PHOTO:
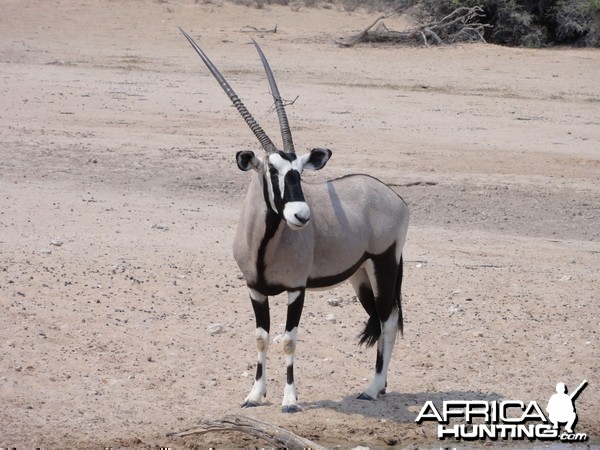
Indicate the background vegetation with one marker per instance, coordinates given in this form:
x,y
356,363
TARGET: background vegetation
x,y
529,23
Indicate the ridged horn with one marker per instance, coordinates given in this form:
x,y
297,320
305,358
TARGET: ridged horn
x,y
262,137
286,134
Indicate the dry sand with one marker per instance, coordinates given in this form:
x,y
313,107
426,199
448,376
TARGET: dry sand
x,y
119,197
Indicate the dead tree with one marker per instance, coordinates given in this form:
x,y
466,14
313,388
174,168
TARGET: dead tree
x,y
459,26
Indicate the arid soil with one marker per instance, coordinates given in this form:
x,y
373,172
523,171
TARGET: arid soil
x,y
119,197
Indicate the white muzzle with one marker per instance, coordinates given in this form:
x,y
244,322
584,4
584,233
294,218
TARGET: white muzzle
x,y
296,214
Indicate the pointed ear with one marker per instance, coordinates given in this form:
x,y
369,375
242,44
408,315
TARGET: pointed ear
x,y
246,160
316,159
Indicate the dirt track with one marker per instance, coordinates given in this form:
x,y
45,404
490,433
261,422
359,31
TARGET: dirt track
x,y
119,196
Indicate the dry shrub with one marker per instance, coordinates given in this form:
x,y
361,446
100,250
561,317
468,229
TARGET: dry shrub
x,y
526,23
577,22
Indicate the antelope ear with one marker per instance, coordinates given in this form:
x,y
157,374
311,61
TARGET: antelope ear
x,y
316,159
246,160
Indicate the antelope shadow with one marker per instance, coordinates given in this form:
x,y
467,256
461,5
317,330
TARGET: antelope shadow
x,y
396,406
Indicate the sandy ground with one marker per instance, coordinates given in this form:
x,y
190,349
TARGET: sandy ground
x,y
119,197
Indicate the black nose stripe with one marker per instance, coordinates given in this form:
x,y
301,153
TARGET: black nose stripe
x,y
292,189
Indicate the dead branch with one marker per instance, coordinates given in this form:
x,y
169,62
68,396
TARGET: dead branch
x,y
285,103
413,183
361,36
274,435
460,25
251,29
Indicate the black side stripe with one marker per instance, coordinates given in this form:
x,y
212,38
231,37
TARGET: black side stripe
x,y
330,280
272,222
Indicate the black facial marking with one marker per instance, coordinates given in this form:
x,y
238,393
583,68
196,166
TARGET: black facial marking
x,y
274,188
277,196
292,187
287,156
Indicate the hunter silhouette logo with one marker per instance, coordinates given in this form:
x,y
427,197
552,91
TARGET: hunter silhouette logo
x,y
507,419
561,408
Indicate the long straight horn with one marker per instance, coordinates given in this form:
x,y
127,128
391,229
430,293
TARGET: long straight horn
x,y
264,140
286,134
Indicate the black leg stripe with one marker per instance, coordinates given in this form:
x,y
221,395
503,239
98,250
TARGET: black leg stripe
x,y
386,274
261,313
290,374
367,300
259,371
379,362
294,312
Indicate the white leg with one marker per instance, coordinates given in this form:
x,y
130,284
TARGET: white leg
x,y
385,345
295,304
383,273
260,304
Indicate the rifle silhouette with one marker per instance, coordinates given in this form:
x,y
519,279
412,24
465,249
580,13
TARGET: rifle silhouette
x,y
577,391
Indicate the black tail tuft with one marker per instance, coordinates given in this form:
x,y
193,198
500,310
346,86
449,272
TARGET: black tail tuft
x,y
371,333
399,296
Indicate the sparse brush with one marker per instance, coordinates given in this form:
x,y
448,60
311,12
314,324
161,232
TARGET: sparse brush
x,y
577,22
526,23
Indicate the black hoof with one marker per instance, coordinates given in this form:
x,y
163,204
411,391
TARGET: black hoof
x,y
249,404
290,409
364,396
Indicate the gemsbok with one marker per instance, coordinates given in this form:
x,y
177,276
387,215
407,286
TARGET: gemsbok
x,y
294,236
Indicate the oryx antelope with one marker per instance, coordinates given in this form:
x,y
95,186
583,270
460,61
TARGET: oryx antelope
x,y
294,236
